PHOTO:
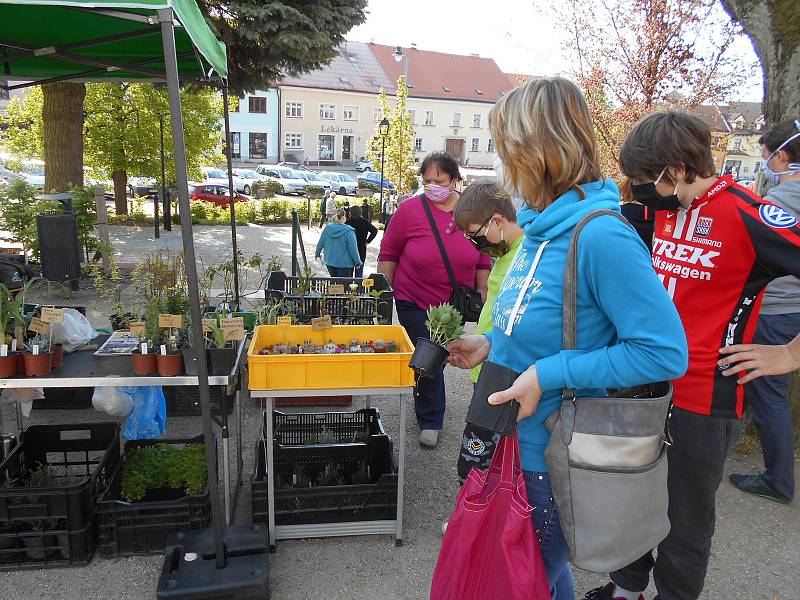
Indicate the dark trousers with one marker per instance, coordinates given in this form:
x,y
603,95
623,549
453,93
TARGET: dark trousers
x,y
359,271
768,398
429,395
696,459
340,271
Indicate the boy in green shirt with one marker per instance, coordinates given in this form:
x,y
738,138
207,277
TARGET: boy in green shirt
x,y
488,219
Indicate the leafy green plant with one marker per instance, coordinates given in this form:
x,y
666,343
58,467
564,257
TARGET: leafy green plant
x,y
151,327
18,210
304,281
217,336
163,465
444,324
267,189
314,191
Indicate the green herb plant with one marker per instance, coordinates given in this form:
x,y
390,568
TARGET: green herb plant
x,y
164,466
444,324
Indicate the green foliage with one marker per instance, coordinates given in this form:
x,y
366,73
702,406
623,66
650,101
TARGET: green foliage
x,y
399,154
267,189
314,191
368,185
164,465
444,324
18,210
22,130
83,204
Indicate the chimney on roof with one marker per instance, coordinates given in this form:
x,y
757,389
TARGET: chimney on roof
x,y
413,46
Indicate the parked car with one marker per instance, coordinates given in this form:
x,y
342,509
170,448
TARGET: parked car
x,y
142,186
294,165
375,178
291,180
243,180
217,194
345,183
316,179
363,165
33,172
215,176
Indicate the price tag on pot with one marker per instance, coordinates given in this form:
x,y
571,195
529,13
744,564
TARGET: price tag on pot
x,y
143,349
233,329
171,321
52,315
137,328
335,289
368,284
163,350
285,320
208,324
318,323
35,350
3,349
39,326
14,345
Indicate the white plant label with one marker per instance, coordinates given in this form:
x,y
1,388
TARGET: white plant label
x,y
144,348
3,349
35,350
163,350
14,345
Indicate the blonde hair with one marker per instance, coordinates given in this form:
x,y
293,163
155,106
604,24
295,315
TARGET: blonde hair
x,y
545,139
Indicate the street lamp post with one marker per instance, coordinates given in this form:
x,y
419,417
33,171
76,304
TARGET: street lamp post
x,y
399,55
383,128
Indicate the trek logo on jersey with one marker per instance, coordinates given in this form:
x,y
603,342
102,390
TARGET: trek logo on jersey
x,y
776,217
704,226
684,253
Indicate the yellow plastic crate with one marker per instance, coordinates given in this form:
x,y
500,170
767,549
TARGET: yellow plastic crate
x,y
329,371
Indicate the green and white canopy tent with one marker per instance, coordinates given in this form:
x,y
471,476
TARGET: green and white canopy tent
x,y
44,41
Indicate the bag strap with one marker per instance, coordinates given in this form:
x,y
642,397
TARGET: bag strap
x,y
506,458
569,298
442,251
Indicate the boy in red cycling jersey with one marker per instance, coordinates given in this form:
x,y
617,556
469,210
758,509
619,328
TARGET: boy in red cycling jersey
x,y
716,246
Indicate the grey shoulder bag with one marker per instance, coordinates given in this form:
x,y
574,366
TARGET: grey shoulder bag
x,y
607,458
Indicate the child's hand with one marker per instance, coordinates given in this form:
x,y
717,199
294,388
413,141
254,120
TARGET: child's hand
x,y
468,351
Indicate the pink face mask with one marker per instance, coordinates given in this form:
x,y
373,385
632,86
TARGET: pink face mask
x,y
437,193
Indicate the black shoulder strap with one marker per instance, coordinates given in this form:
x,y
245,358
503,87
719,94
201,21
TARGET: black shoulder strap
x,y
439,242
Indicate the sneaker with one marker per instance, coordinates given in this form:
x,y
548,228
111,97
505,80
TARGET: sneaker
x,y
429,438
605,593
755,484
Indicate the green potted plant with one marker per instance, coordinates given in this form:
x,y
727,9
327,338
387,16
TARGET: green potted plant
x,y
9,362
169,359
146,363
37,357
444,326
163,472
221,353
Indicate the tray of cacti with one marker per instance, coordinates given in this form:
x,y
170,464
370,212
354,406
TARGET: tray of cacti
x,y
444,326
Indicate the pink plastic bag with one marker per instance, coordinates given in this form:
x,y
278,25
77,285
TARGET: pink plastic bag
x,y
490,550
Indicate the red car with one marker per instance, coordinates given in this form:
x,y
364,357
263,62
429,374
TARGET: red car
x,y
218,194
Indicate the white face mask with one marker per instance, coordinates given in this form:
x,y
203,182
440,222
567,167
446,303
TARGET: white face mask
x,y
516,197
791,168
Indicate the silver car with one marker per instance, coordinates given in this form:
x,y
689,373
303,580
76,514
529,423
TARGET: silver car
x,y
292,182
342,183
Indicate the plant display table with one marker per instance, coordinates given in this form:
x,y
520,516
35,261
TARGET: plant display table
x,y
82,369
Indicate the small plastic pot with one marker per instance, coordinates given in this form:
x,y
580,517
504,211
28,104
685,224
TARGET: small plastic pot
x,y
58,355
38,364
9,365
428,358
221,360
189,360
144,364
169,365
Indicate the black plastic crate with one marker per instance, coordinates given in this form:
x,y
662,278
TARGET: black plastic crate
x,y
360,478
334,427
65,398
342,309
55,525
184,400
130,528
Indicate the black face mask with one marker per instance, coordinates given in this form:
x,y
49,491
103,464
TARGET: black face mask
x,y
647,194
495,250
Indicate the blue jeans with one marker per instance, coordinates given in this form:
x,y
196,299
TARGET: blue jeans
x,y
429,395
555,552
768,398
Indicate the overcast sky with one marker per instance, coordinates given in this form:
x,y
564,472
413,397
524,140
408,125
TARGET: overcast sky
x,y
520,38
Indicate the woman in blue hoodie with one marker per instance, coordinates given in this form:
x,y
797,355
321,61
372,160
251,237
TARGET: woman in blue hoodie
x,y
629,332
338,242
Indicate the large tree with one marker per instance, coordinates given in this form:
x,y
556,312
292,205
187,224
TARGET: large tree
x,y
636,56
774,29
264,39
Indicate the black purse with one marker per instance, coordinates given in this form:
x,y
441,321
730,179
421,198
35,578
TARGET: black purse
x,y
501,418
465,299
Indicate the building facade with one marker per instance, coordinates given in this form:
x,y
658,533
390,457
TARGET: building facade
x,y
255,128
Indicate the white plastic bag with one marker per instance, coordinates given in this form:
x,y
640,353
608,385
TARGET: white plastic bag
x,y
74,332
115,401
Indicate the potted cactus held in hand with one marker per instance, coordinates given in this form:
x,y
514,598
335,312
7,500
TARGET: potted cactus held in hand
x,y
444,326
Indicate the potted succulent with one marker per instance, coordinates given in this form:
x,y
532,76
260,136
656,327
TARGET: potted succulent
x,y
38,358
169,359
146,363
444,326
221,353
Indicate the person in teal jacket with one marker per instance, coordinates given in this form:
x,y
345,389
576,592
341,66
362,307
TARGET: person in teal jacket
x,y
338,243
628,331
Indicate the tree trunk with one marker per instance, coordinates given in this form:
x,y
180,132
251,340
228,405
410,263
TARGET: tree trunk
x,y
120,178
62,117
773,27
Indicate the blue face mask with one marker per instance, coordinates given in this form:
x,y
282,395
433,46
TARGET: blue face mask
x,y
775,176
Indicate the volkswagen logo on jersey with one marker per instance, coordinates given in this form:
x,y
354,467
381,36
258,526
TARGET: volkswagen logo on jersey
x,y
776,217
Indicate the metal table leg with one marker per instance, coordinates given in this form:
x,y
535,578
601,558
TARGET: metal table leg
x,y
401,471
270,406
226,470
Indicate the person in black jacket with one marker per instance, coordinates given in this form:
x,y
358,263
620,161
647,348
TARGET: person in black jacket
x,y
365,233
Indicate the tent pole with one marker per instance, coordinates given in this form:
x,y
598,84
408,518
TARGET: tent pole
x,y
232,194
166,17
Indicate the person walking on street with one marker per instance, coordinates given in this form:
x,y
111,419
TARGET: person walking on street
x,y
338,243
323,205
779,323
330,207
365,233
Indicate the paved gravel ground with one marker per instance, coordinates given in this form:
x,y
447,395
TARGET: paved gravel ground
x,y
755,555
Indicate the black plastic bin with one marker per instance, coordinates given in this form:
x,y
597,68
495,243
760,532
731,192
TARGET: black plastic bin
x,y
55,525
130,528
366,489
65,398
184,400
342,309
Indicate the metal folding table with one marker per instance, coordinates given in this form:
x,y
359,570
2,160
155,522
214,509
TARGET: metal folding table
x,y
284,532
82,369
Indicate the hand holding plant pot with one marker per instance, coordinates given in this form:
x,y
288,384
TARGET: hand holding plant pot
x,y
444,326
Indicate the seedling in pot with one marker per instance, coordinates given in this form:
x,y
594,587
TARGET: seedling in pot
x,y
444,326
